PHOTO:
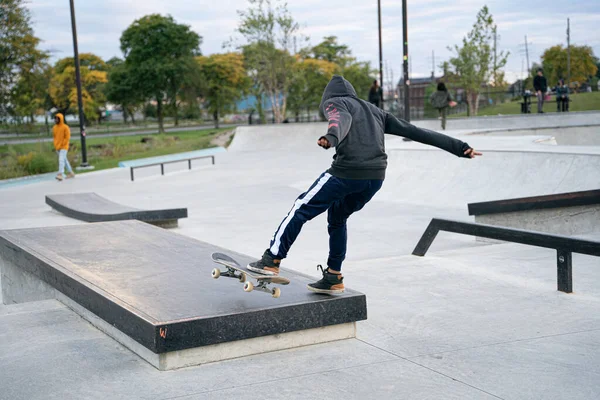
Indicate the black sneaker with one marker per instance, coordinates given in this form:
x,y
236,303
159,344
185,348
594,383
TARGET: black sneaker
x,y
329,284
267,265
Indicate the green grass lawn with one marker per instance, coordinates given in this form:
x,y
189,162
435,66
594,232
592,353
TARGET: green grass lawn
x,y
105,128
579,102
103,153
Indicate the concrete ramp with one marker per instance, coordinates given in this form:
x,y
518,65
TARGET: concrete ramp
x,y
435,178
588,135
152,291
91,207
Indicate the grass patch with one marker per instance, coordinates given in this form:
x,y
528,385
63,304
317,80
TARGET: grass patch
x,y
103,153
579,102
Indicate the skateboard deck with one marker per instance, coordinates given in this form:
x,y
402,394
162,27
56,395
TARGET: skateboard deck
x,y
241,273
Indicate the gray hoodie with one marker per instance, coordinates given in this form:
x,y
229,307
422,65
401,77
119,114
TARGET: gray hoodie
x,y
356,130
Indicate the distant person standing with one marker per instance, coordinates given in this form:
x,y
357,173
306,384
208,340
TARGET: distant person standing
x,y
541,87
62,136
375,94
562,97
441,100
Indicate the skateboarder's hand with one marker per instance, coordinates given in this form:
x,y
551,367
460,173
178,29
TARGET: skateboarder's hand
x,y
324,143
472,153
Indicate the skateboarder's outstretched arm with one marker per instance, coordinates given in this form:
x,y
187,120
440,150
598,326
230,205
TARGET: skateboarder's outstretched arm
x,y
400,127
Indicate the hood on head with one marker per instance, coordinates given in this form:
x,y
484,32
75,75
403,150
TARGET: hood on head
x,y
337,87
60,117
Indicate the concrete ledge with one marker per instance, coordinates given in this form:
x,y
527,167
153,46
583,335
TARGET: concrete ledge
x,y
91,207
152,291
21,287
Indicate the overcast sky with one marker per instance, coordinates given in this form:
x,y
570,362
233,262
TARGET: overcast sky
x,y
433,26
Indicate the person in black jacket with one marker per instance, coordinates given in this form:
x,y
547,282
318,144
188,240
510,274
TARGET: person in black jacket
x,y
375,94
356,130
441,100
562,97
541,87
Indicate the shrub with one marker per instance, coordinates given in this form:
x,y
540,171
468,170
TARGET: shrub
x,y
41,163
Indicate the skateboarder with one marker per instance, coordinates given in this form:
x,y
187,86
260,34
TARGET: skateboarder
x,y
62,135
356,130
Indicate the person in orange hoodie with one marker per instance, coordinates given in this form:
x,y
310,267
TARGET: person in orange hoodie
x,y
62,136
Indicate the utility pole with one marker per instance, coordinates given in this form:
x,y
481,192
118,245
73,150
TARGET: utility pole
x,y
84,163
527,55
432,64
568,53
495,58
380,53
405,64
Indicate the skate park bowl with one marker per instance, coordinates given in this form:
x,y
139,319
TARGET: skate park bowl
x,y
90,207
471,319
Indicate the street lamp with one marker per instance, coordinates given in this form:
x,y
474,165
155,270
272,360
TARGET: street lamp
x,y
380,53
84,163
405,64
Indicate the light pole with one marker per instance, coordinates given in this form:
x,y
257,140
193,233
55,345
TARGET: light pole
x,y
405,65
84,163
380,53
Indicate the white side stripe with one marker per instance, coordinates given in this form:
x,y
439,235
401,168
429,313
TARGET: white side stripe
x,y
299,203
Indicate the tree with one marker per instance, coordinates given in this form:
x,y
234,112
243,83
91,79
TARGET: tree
x,y
63,89
583,64
358,73
226,82
161,52
330,50
30,94
474,64
120,88
269,33
18,53
311,77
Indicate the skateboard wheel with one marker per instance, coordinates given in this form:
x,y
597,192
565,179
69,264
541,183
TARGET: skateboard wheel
x,y
242,277
216,273
276,292
248,287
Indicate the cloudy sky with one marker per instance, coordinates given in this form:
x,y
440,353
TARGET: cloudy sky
x,y
433,26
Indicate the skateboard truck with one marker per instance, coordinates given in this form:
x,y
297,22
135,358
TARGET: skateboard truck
x,y
236,271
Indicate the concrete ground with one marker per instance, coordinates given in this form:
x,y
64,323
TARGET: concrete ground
x,y
470,320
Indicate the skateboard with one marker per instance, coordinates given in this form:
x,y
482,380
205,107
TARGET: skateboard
x,y
235,270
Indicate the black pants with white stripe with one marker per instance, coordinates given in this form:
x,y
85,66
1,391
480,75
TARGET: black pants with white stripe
x,y
340,197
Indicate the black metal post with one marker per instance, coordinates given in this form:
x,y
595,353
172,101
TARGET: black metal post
x,y
405,65
380,54
78,83
564,266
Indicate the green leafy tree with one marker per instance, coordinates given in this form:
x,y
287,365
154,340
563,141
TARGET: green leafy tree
x,y
358,73
583,64
330,50
29,96
20,60
474,65
269,32
161,52
63,89
226,82
311,77
121,89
